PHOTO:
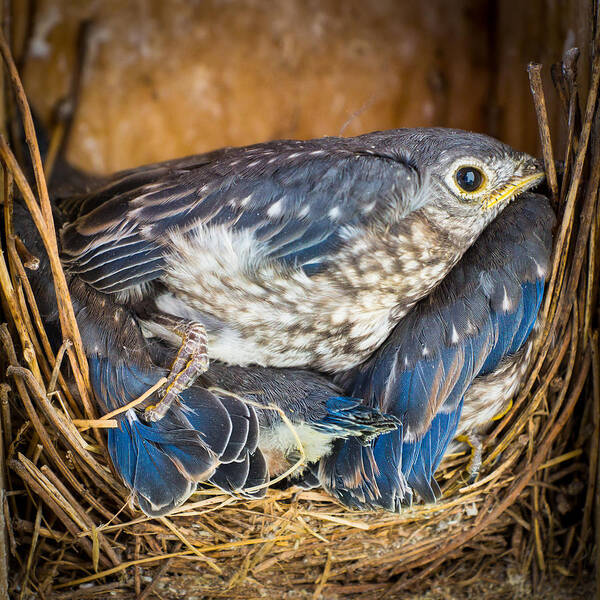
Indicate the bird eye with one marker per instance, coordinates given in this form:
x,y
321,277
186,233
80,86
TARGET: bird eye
x,y
469,179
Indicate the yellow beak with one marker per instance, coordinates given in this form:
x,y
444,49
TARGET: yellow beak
x,y
513,188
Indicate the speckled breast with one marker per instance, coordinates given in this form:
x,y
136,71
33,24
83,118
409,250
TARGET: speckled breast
x,y
262,312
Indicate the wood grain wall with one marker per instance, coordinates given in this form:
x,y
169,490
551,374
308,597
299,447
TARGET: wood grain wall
x,y
164,78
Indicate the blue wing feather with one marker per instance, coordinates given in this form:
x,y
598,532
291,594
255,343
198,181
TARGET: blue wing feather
x,y
267,189
419,474
533,294
162,461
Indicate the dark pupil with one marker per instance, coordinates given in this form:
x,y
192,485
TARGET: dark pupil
x,y
468,178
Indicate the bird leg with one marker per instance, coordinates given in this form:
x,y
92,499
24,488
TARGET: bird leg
x,y
190,362
474,442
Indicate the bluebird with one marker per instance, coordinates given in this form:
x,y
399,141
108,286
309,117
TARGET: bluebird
x,y
287,254
450,366
233,437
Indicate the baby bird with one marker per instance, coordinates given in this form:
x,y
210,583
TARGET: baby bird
x,y
288,254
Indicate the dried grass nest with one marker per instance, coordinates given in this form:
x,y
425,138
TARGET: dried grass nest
x,y
68,531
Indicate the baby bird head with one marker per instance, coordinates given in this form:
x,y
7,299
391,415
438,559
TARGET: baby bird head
x,y
464,179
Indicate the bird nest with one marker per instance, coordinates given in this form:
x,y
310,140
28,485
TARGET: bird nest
x,y
69,530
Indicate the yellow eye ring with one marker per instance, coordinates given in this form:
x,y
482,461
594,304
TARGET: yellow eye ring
x,y
469,179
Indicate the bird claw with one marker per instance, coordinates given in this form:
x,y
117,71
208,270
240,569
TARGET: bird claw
x,y
190,362
474,442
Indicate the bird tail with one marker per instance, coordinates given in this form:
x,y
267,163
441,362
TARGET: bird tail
x,y
385,473
242,466
203,438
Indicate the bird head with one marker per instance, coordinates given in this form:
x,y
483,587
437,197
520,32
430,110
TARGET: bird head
x,y
464,179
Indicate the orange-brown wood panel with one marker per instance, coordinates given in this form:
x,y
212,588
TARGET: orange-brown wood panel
x,y
164,78
540,31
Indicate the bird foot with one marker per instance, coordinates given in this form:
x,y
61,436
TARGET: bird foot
x,y
503,411
190,362
474,442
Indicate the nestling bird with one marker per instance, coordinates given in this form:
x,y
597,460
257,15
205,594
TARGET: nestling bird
x,y
451,365
284,254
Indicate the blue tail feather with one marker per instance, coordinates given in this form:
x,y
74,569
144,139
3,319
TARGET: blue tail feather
x,y
162,461
257,475
232,476
242,424
208,416
146,469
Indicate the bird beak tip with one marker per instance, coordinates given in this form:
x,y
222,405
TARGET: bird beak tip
x,y
524,183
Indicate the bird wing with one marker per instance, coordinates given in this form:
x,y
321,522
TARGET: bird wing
x,y
482,312
299,200
203,438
